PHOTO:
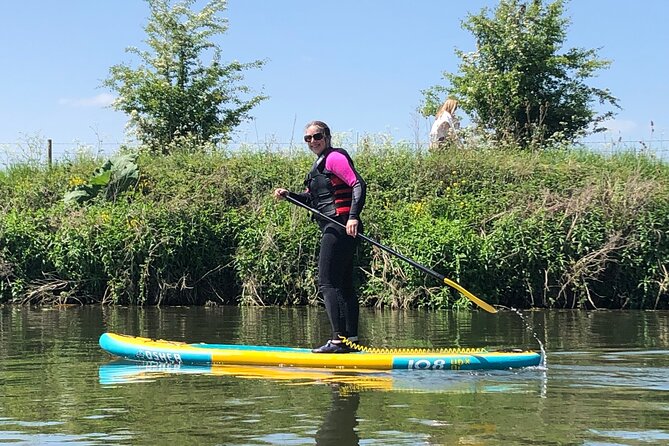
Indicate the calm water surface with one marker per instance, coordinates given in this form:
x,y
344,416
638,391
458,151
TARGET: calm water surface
x,y
605,382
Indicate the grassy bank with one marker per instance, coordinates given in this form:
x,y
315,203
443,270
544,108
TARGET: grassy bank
x,y
555,228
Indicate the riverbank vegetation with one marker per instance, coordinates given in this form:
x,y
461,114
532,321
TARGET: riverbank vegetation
x,y
554,228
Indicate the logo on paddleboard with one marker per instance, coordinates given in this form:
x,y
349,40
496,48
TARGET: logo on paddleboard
x,y
455,363
169,358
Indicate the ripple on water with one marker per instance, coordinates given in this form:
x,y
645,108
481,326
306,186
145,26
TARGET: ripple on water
x,y
653,436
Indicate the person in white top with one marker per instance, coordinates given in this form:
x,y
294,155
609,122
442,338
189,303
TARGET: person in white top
x,y
445,124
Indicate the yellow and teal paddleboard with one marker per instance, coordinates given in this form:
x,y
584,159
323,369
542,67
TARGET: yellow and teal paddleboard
x,y
174,352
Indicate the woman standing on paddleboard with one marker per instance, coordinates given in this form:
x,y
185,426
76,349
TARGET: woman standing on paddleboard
x,y
334,188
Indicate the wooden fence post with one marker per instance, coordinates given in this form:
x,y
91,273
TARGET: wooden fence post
x,y
49,151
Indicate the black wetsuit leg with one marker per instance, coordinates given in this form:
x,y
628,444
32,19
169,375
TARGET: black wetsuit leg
x,y
335,280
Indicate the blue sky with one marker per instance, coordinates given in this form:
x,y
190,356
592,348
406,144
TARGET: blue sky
x,y
359,65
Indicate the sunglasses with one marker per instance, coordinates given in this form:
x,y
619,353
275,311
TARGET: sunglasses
x,y
315,136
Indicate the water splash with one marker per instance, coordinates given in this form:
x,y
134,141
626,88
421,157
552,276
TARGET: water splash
x,y
543,365
544,360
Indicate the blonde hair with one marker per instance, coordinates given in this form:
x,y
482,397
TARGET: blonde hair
x,y
449,106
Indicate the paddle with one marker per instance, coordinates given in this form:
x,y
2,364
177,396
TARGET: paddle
x,y
486,306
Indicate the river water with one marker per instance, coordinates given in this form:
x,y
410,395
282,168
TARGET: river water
x,y
605,380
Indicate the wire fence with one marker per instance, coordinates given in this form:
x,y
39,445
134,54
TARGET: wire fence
x,y
656,148
38,151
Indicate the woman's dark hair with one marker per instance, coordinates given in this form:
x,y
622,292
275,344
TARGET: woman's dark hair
x,y
321,125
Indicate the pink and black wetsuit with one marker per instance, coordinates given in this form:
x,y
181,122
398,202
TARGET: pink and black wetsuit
x,y
336,189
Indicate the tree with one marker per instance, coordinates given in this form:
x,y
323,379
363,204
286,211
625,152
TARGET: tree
x,y
173,96
517,84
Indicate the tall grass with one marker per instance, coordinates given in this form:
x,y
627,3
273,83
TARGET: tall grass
x,y
556,228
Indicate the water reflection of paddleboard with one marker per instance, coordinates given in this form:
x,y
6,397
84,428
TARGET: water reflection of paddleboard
x,y
121,372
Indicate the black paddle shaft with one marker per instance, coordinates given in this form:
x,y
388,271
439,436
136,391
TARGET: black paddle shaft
x,y
425,269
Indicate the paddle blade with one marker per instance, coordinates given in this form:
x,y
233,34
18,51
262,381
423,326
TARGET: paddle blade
x,y
486,306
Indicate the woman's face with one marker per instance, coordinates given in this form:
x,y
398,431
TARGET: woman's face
x,y
315,138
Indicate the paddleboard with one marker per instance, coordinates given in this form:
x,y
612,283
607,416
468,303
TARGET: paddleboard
x,y
174,352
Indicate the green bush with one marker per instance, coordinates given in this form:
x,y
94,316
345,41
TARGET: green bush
x,y
559,228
